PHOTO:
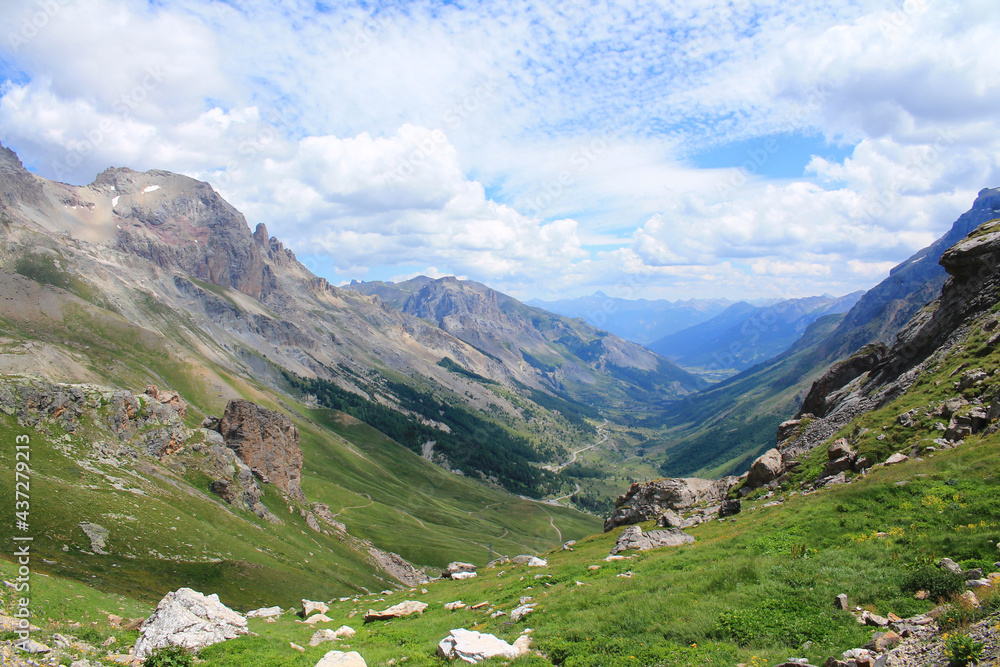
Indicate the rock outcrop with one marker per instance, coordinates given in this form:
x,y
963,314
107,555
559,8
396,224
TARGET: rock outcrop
x,y
191,620
633,539
649,501
267,441
342,659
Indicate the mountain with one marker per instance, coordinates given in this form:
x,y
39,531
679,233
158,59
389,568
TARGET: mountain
x,y
744,335
149,284
569,356
720,430
638,320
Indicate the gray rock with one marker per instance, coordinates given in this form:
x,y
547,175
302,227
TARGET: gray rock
x,y
33,647
98,536
310,607
977,583
840,602
950,565
730,508
669,519
649,501
632,538
975,573
765,469
191,620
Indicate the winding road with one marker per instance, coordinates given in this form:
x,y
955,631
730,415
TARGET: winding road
x,y
572,459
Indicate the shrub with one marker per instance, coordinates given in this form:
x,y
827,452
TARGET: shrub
x,y
939,583
170,656
962,650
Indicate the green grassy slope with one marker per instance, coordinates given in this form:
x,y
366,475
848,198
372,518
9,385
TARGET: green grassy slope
x,y
756,589
426,514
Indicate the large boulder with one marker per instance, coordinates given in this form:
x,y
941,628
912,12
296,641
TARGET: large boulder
x,y
191,620
767,468
472,647
649,501
267,441
456,567
404,608
633,539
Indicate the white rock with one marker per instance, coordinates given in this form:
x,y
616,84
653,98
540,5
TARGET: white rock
x,y
896,458
456,605
404,608
191,620
538,562
309,607
319,618
472,647
522,611
265,612
463,575
341,659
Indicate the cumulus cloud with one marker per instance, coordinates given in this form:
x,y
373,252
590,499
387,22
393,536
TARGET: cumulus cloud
x,y
544,148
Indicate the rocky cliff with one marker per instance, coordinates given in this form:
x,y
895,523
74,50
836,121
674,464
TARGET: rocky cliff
x,y
267,442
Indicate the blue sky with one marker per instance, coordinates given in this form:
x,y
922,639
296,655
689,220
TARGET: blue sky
x,y
692,148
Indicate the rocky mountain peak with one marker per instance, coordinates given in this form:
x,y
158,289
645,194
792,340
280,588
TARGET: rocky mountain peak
x,y
16,183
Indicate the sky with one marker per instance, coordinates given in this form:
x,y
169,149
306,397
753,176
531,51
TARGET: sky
x,y
674,149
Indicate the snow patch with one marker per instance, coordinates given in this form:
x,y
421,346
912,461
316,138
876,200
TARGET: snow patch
x,y
114,202
151,188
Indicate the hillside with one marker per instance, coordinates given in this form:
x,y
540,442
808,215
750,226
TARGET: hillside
x,y
744,335
721,430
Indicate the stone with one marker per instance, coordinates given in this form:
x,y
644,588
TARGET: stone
x,y
456,567
594,568
896,458
840,602
319,618
33,647
311,607
632,538
463,575
922,595
730,507
883,641
766,468
649,501
321,636
974,573
521,559
537,562
862,463
191,620
839,449
977,583
267,441
296,647
968,598
341,659
404,608
98,536
520,612
950,565
265,612
874,619
669,519
455,606
473,647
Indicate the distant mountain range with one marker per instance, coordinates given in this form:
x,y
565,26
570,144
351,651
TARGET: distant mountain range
x,y
744,335
641,321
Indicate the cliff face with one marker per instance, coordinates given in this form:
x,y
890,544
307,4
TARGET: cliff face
x,y
879,376
267,441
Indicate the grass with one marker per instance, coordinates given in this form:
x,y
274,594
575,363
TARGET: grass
x,y
758,589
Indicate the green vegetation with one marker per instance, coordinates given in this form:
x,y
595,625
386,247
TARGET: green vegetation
x,y
962,650
450,364
473,445
171,656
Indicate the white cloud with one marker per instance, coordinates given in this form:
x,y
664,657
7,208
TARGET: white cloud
x,y
500,141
